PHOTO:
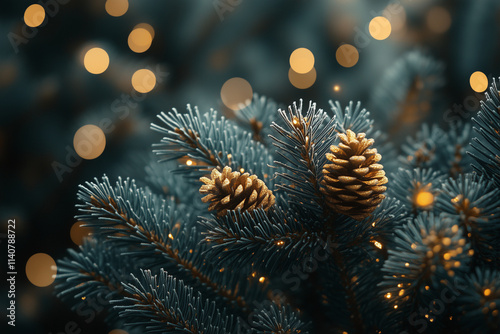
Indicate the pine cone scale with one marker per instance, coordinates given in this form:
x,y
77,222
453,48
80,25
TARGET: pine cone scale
x,y
353,180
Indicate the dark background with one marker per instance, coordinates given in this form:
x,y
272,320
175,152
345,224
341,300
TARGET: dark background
x,y
46,94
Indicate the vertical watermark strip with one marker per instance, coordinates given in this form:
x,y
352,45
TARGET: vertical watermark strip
x,y
11,272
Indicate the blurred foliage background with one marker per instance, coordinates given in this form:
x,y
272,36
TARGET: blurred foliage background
x,y
47,90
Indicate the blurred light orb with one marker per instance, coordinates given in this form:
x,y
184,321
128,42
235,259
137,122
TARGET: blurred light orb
x,y
89,141
78,233
96,60
438,19
34,15
41,270
380,28
116,8
347,55
396,14
478,81
302,61
148,27
302,80
139,40
424,199
236,93
336,88
143,80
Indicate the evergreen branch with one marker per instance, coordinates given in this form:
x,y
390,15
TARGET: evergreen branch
x,y
305,141
429,251
161,303
486,146
143,224
352,118
279,320
212,140
271,241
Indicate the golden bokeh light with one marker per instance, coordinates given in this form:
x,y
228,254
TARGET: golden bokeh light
x,y
347,55
96,60
236,93
438,19
143,80
302,61
380,28
78,232
478,81
89,142
302,81
148,27
34,15
41,269
116,7
118,331
336,88
424,199
139,40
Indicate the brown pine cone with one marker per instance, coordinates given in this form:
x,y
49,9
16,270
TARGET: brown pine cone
x,y
353,182
232,190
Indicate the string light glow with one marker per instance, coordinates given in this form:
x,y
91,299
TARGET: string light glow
x,y
380,28
139,40
89,142
236,93
424,199
143,80
34,15
302,81
302,61
347,55
478,81
96,60
41,269
116,7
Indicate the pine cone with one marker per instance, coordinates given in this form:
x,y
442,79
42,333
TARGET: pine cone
x,y
231,190
353,182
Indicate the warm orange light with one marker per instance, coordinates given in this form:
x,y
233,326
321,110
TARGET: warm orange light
x,y
424,199
347,55
302,60
302,81
143,81
34,15
487,292
236,93
41,269
116,7
438,19
89,141
139,40
78,233
336,88
96,60
262,279
478,81
380,28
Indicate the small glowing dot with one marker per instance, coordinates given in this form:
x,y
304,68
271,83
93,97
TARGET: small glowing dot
x,y
302,61
170,236
41,269
78,233
424,199
427,287
253,274
83,298
302,81
487,292
446,256
380,28
438,19
139,40
395,306
407,264
189,162
347,55
336,88
236,93
262,279
478,81
280,243
116,7
377,244
446,241
221,270
401,292
388,295
89,141
96,60
143,81
242,170
34,15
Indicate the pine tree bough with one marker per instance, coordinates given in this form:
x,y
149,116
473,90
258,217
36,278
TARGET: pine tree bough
x,y
354,181
232,190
